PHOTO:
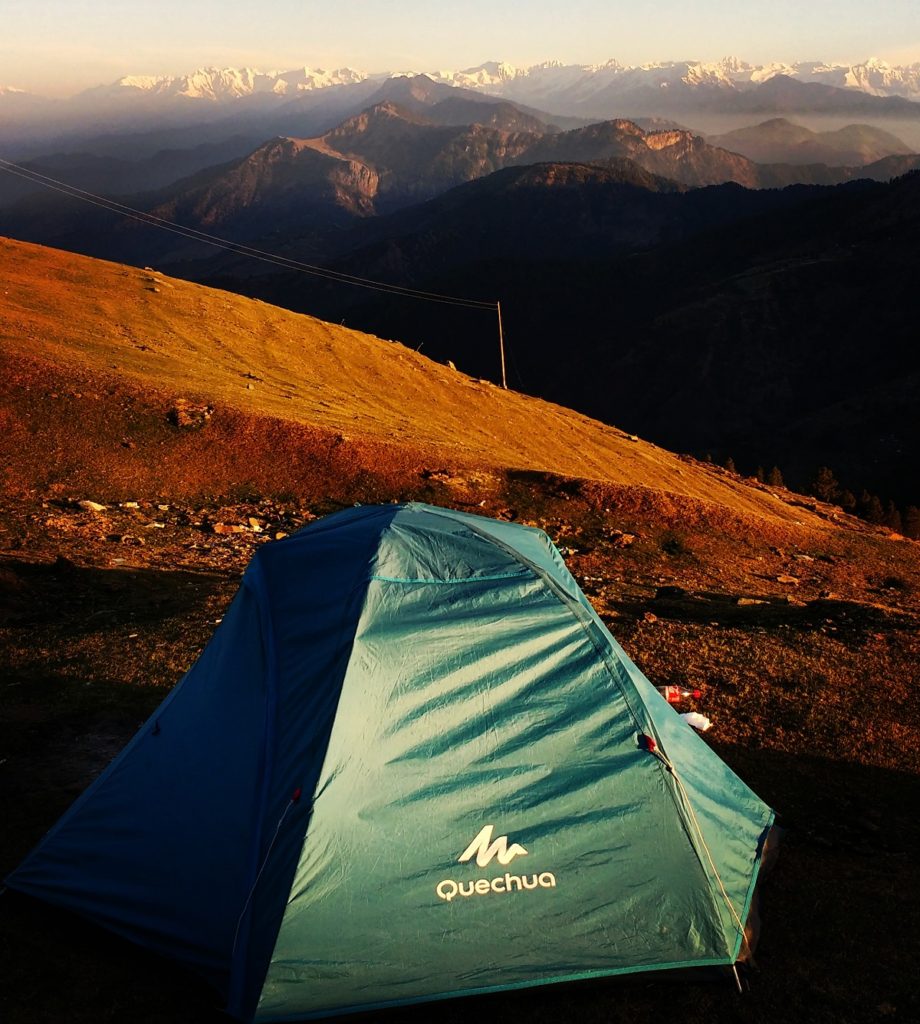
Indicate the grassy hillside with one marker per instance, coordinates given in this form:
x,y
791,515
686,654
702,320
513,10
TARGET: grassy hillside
x,y
136,342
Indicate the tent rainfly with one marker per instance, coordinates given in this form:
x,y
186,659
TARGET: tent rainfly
x,y
411,764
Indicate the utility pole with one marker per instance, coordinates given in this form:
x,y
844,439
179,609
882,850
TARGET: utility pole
x,y
501,344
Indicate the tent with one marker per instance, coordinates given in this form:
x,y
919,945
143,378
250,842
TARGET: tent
x,y
411,764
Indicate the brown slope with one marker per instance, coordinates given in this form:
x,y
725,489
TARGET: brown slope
x,y
298,384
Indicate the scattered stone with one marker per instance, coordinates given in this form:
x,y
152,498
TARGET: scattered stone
x,y
187,414
280,535
633,437
650,617
745,602
163,508
126,538
794,601
803,558
255,525
785,578
619,539
91,506
130,504
228,528
451,364
829,595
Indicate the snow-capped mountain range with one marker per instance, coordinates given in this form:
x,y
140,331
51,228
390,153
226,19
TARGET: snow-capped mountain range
x,y
874,76
231,83
533,84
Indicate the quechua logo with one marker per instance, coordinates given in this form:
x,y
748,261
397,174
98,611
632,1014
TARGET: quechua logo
x,y
485,850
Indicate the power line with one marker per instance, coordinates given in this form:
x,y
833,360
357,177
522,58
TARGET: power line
x,y
152,220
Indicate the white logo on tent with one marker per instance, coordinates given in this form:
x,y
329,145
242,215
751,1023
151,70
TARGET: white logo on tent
x,y
485,849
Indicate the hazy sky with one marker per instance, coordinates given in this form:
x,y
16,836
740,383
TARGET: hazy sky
x,y
60,46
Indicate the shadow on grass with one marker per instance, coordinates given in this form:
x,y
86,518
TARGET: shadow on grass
x,y
767,611
88,598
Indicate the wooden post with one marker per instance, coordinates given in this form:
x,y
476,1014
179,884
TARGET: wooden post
x,y
501,344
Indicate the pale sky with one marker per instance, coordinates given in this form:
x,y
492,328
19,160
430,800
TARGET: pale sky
x,y
57,47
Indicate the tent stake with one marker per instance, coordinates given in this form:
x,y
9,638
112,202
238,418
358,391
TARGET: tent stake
x,y
737,980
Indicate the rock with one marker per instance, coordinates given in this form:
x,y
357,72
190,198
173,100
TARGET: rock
x,y
784,578
450,363
255,525
280,535
622,540
650,617
187,414
130,504
91,506
745,602
228,528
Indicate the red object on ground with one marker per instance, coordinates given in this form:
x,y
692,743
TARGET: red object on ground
x,y
675,694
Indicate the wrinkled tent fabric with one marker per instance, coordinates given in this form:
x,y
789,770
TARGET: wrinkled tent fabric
x,y
412,763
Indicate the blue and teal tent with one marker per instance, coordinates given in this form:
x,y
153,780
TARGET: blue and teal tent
x,y
411,764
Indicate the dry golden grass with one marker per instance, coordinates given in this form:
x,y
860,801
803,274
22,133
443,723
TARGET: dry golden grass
x,y
136,330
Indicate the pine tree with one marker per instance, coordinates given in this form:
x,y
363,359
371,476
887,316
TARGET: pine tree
x,y
912,522
825,486
893,518
775,478
847,500
874,513
730,465
759,474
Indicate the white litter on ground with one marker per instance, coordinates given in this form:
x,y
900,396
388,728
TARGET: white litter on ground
x,y
698,721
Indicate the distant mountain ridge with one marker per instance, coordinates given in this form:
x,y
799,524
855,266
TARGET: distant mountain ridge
x,y
874,77
781,141
294,190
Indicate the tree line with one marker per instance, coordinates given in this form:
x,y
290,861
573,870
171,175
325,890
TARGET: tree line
x,y
826,487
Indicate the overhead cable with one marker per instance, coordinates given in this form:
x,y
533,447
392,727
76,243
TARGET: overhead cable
x,y
152,220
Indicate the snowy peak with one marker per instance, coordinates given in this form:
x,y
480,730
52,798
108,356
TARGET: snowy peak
x,y
873,76
226,84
